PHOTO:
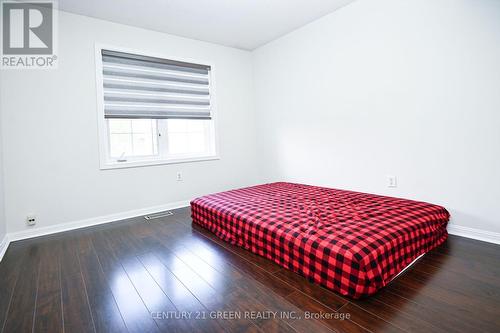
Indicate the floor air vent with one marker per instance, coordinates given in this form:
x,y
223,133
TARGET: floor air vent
x,y
158,215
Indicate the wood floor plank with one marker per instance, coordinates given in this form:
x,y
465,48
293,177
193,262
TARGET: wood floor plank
x,y
107,257
485,271
136,316
311,306
204,292
184,301
198,287
229,312
455,303
436,310
308,326
76,309
473,250
105,312
442,321
177,292
10,267
397,316
457,282
22,305
369,320
470,295
48,309
153,297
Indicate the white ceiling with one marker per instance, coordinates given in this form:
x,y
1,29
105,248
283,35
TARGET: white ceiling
x,y
245,24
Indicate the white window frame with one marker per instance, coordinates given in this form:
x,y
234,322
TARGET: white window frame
x,y
105,161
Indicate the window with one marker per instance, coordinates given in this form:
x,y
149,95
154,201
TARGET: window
x,y
153,110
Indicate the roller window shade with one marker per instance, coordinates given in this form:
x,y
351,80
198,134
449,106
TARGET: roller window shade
x,y
137,86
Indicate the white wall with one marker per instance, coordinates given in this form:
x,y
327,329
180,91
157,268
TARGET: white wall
x,y
407,88
3,224
51,155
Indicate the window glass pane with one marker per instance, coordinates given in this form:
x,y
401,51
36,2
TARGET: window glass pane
x,y
177,143
144,137
119,125
197,142
120,145
196,125
133,137
177,125
142,125
143,145
187,136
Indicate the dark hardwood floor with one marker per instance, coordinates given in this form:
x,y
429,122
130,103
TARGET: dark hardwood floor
x,y
136,275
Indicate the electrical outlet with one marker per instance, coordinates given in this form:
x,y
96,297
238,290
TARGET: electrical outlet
x,y
179,176
31,220
392,181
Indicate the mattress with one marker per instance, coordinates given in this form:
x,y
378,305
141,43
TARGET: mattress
x,y
352,243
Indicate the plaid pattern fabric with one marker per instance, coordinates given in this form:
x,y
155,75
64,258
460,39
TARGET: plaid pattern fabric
x,y
353,243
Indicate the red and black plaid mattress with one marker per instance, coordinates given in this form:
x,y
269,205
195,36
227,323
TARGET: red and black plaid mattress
x,y
353,243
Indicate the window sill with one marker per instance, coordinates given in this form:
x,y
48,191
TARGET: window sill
x,y
138,164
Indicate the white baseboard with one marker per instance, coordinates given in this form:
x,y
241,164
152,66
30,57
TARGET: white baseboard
x,y
4,244
37,232
478,234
